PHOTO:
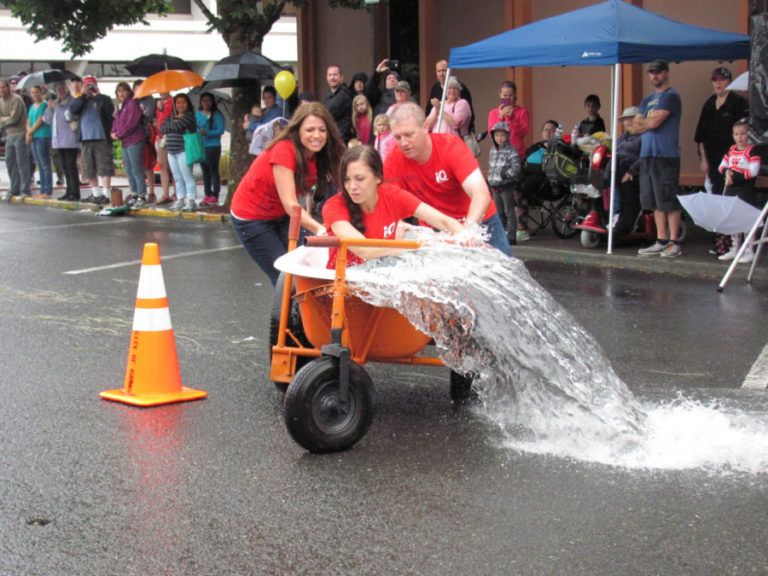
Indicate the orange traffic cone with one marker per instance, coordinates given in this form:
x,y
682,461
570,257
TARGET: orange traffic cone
x,y
152,375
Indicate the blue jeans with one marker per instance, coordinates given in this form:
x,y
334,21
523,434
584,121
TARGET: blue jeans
x,y
132,156
264,240
41,150
17,162
498,237
182,176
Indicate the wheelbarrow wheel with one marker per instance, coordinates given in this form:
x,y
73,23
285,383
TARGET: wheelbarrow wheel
x,y
294,325
461,389
312,412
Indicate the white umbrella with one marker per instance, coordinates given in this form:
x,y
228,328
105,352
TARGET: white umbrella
x,y
44,77
721,214
741,83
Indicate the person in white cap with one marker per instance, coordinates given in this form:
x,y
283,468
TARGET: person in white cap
x,y
627,195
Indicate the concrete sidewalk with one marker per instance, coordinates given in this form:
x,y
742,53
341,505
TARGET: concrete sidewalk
x,y
694,261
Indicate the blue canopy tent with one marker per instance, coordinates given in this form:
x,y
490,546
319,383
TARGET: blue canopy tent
x,y
609,33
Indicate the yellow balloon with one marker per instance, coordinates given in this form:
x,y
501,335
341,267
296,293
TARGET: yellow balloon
x,y
285,83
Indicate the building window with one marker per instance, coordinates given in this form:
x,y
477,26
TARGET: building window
x,y
181,6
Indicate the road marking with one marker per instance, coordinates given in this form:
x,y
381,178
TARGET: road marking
x,y
137,262
102,223
757,379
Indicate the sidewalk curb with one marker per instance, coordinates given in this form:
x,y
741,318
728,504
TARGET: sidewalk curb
x,y
198,215
653,265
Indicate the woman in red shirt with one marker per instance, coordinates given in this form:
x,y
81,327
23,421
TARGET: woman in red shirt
x,y
304,154
368,208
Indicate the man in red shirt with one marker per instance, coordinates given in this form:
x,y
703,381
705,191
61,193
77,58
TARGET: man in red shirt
x,y
441,171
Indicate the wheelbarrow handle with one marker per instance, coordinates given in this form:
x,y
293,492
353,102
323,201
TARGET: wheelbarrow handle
x,y
294,228
336,242
322,241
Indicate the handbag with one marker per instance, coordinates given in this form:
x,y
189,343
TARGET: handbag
x,y
194,148
471,142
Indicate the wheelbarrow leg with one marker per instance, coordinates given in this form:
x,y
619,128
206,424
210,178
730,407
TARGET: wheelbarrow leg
x,y
343,358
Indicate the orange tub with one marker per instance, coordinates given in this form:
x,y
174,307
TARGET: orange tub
x,y
372,333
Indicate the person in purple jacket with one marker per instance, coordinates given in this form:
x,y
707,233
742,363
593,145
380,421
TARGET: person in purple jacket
x,y
128,127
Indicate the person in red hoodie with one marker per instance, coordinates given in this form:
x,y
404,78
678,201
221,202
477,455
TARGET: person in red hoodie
x,y
516,117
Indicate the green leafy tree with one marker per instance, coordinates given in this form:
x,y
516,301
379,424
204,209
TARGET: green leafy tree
x,y
241,23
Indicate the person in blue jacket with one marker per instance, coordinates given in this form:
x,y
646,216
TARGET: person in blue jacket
x,y
210,124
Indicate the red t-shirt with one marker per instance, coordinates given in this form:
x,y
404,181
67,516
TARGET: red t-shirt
x,y
256,197
438,181
393,205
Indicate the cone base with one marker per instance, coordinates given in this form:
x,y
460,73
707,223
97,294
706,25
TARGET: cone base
x,y
183,395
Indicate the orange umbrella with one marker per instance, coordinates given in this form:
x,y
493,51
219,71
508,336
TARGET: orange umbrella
x,y
168,81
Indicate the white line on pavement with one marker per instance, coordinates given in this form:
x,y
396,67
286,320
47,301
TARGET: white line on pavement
x,y
757,379
17,230
135,262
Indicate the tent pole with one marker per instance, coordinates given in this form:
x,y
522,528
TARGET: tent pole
x,y
442,101
615,84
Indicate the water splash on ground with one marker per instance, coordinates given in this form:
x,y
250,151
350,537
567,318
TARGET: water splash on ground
x,y
541,377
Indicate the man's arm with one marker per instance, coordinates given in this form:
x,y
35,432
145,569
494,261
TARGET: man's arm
x,y
643,124
476,188
17,112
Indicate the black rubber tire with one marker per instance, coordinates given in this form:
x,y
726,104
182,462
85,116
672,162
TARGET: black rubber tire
x,y
461,389
294,325
311,410
590,239
564,219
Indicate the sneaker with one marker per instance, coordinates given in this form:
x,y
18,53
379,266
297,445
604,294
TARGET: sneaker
x,y
101,200
747,257
209,201
522,236
176,206
730,255
672,250
91,199
137,203
6,196
151,199
189,206
653,250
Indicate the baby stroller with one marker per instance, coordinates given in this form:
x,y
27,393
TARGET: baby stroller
x,y
547,188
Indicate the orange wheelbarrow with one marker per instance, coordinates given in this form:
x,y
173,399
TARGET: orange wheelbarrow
x,y
321,336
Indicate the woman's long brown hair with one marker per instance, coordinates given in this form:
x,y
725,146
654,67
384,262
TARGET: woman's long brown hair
x,y
370,158
327,159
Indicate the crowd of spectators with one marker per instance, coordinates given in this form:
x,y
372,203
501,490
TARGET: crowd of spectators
x,y
72,128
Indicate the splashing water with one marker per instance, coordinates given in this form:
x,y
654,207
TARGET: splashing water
x,y
541,377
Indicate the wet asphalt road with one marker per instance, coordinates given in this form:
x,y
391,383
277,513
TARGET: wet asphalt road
x,y
217,486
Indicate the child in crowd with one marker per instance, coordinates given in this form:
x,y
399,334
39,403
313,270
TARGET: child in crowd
x,y
503,169
741,165
362,119
593,122
383,140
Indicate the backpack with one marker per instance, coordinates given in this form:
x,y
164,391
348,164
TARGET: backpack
x,y
560,163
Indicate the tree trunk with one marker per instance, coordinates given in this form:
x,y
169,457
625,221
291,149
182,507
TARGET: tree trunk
x,y
243,34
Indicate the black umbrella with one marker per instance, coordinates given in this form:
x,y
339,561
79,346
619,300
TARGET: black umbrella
x,y
246,69
44,77
154,63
